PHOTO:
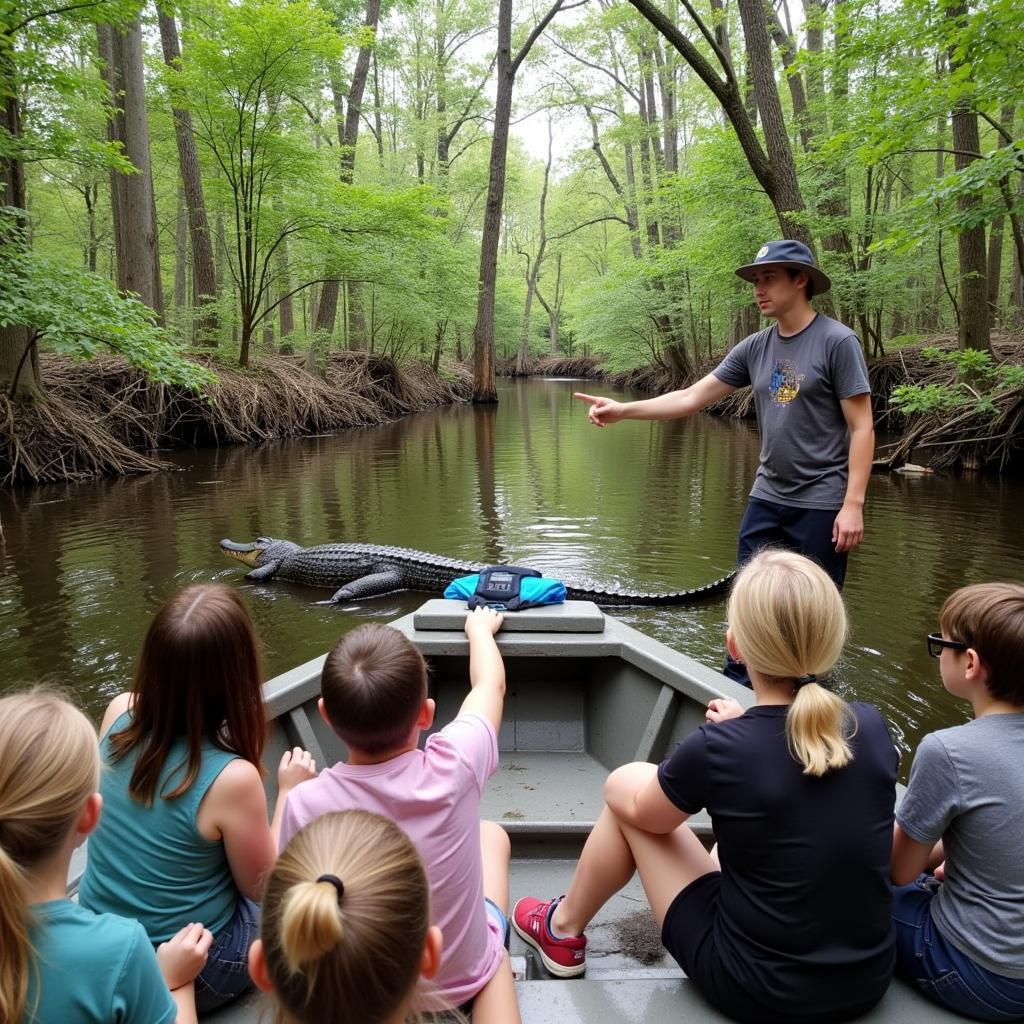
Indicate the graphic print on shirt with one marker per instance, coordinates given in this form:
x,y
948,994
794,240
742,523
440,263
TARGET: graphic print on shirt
x,y
785,384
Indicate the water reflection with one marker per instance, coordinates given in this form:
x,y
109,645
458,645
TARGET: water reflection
x,y
651,506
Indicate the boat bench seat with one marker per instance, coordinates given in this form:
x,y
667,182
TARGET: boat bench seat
x,y
634,1001
677,1001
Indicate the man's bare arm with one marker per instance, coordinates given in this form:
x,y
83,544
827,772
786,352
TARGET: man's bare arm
x,y
675,405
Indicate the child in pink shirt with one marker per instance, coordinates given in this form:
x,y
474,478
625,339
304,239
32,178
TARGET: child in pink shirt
x,y
374,696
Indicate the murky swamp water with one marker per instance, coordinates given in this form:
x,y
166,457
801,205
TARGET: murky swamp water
x,y
650,506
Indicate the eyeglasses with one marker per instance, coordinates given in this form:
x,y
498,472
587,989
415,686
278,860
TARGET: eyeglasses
x,y
936,641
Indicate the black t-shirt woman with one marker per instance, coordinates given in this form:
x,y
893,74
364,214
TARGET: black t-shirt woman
x,y
789,918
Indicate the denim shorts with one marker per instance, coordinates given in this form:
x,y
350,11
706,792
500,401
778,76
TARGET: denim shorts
x,y
493,910
925,957
226,974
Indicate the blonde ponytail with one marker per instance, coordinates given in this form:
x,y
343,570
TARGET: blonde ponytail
x,y
345,917
310,923
789,621
818,727
49,766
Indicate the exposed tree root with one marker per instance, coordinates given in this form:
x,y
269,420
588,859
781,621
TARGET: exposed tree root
x,y
103,418
553,366
966,438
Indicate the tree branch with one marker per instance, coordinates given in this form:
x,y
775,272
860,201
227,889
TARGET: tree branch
x,y
587,223
597,67
537,30
39,15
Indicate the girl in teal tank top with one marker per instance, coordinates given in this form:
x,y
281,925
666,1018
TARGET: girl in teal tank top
x,y
184,836
59,961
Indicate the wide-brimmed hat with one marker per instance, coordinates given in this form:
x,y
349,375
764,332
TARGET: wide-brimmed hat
x,y
787,253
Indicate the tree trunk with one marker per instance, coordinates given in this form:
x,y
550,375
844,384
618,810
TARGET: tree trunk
x,y
180,253
135,232
484,382
995,266
91,194
975,325
775,171
672,232
285,312
647,200
19,357
523,357
350,136
204,278
785,191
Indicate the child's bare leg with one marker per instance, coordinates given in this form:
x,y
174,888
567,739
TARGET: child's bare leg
x,y
606,865
714,857
496,1002
496,852
667,864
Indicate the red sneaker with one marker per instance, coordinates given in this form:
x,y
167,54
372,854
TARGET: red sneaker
x,y
564,958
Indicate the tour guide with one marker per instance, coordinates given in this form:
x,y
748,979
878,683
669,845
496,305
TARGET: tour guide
x,y
813,403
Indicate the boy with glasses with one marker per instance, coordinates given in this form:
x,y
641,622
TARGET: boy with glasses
x,y
960,928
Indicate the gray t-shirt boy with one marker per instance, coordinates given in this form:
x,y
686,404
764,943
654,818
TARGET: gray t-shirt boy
x,y
798,384
967,789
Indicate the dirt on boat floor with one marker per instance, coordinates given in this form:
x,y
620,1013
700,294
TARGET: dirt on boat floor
x,y
639,937
104,418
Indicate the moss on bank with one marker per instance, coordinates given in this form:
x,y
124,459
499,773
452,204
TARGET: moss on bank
x,y
104,418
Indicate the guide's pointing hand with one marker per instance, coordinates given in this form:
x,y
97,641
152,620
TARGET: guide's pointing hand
x,y
602,411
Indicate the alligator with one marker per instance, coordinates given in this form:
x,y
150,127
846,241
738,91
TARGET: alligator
x,y
362,571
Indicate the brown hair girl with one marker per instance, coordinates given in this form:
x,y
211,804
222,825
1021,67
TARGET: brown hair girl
x,y
198,677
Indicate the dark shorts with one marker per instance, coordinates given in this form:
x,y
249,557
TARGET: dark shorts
x,y
688,933
226,974
929,961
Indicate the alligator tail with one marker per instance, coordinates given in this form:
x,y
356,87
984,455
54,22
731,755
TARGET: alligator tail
x,y
631,598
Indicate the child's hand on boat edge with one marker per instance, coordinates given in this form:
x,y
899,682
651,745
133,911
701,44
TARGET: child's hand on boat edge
x,y
482,622
296,766
721,709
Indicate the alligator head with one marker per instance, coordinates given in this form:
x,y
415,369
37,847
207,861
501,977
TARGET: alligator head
x,y
264,553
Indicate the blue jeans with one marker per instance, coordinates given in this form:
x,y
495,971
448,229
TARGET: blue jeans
x,y
226,974
936,967
807,531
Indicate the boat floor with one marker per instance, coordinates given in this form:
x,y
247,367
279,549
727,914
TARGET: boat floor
x,y
629,980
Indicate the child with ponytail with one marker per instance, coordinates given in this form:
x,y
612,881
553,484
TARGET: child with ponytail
x,y
346,931
58,961
789,919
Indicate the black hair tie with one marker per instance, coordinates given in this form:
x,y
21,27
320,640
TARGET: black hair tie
x,y
804,680
336,882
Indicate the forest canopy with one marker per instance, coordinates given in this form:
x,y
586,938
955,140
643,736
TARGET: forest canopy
x,y
459,179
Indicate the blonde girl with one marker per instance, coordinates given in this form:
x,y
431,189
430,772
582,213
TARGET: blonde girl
x,y
346,928
788,921
185,834
58,961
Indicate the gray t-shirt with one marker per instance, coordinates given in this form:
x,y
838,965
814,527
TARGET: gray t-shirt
x,y
967,789
798,384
